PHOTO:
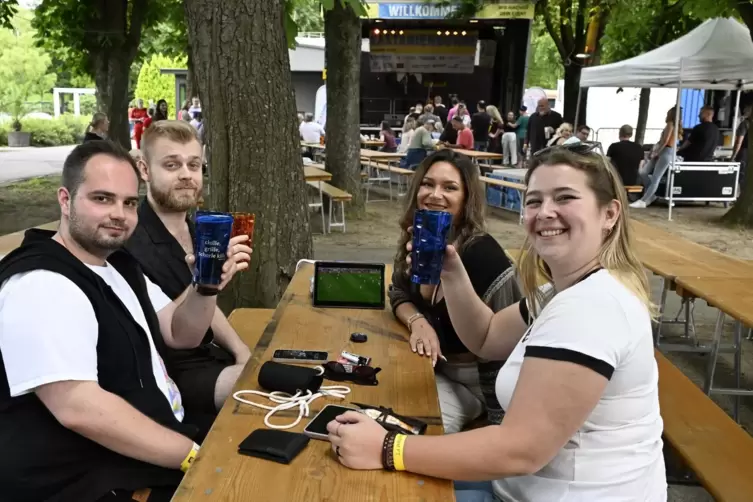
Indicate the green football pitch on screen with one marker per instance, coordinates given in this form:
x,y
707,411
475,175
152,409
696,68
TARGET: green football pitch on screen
x,y
358,287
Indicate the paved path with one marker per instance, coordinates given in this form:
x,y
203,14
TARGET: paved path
x,y
22,163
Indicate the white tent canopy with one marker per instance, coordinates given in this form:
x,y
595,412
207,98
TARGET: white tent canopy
x,y
716,55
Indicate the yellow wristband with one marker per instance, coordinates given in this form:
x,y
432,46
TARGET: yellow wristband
x,y
188,461
397,452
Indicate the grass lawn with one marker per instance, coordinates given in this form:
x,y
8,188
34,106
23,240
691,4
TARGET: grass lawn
x,y
29,203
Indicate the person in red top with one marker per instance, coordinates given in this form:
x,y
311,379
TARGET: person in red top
x,y
147,121
465,136
137,116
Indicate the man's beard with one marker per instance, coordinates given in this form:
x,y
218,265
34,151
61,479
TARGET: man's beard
x,y
91,240
174,200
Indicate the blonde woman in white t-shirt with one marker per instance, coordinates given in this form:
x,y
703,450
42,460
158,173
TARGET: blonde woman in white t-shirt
x,y
579,387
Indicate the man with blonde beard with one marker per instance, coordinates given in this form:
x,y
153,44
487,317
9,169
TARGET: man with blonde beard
x,y
171,168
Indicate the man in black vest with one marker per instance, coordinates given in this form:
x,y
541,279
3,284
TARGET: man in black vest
x,y
87,410
171,168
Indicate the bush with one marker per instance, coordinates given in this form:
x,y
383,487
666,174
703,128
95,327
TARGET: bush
x,y
153,86
66,130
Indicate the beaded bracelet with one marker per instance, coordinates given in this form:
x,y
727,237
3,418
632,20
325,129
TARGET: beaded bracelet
x,y
387,458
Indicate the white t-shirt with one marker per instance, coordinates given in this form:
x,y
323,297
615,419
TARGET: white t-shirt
x,y
49,332
616,455
311,132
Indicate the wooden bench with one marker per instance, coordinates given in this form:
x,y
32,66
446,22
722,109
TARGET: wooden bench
x,y
520,187
390,168
335,195
708,441
11,241
634,188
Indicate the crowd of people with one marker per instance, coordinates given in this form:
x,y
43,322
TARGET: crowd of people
x,y
140,117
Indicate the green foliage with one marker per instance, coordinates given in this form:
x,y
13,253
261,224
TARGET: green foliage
x,y
23,69
66,130
168,36
305,15
640,26
75,32
545,66
8,9
153,86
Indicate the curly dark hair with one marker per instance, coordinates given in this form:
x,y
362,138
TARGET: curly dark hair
x,y
471,221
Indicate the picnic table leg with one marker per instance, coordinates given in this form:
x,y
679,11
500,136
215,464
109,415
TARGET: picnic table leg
x,y
389,175
738,368
662,308
708,383
321,201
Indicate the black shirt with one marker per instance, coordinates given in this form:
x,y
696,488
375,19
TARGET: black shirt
x,y
536,125
626,156
703,141
90,136
163,260
480,122
509,127
441,111
484,260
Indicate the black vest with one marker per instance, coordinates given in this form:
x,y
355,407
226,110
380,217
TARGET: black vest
x,y
42,460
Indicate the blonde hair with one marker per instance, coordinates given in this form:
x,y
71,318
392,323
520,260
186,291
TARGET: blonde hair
x,y
617,253
174,130
97,119
494,112
564,127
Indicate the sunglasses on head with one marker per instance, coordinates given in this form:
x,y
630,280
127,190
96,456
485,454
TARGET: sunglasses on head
x,y
362,375
580,148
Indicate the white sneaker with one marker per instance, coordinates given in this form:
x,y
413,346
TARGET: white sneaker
x,y
639,204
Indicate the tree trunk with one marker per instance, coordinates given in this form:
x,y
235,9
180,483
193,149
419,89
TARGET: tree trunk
x,y
572,83
191,88
241,65
741,212
342,32
111,76
643,103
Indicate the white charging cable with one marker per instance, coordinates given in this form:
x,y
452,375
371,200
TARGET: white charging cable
x,y
286,401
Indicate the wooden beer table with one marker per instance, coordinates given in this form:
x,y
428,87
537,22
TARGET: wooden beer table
x,y
406,384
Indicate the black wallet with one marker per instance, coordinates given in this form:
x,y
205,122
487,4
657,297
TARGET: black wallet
x,y
275,445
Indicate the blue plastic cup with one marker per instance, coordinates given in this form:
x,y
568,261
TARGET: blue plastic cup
x,y
430,230
210,247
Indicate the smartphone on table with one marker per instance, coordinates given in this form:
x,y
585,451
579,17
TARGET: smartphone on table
x,y
300,356
317,428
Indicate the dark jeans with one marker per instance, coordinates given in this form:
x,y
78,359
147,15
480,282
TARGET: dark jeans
x,y
480,146
413,157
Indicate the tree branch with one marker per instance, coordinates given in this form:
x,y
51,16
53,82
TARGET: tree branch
x,y
566,29
138,13
543,7
581,24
